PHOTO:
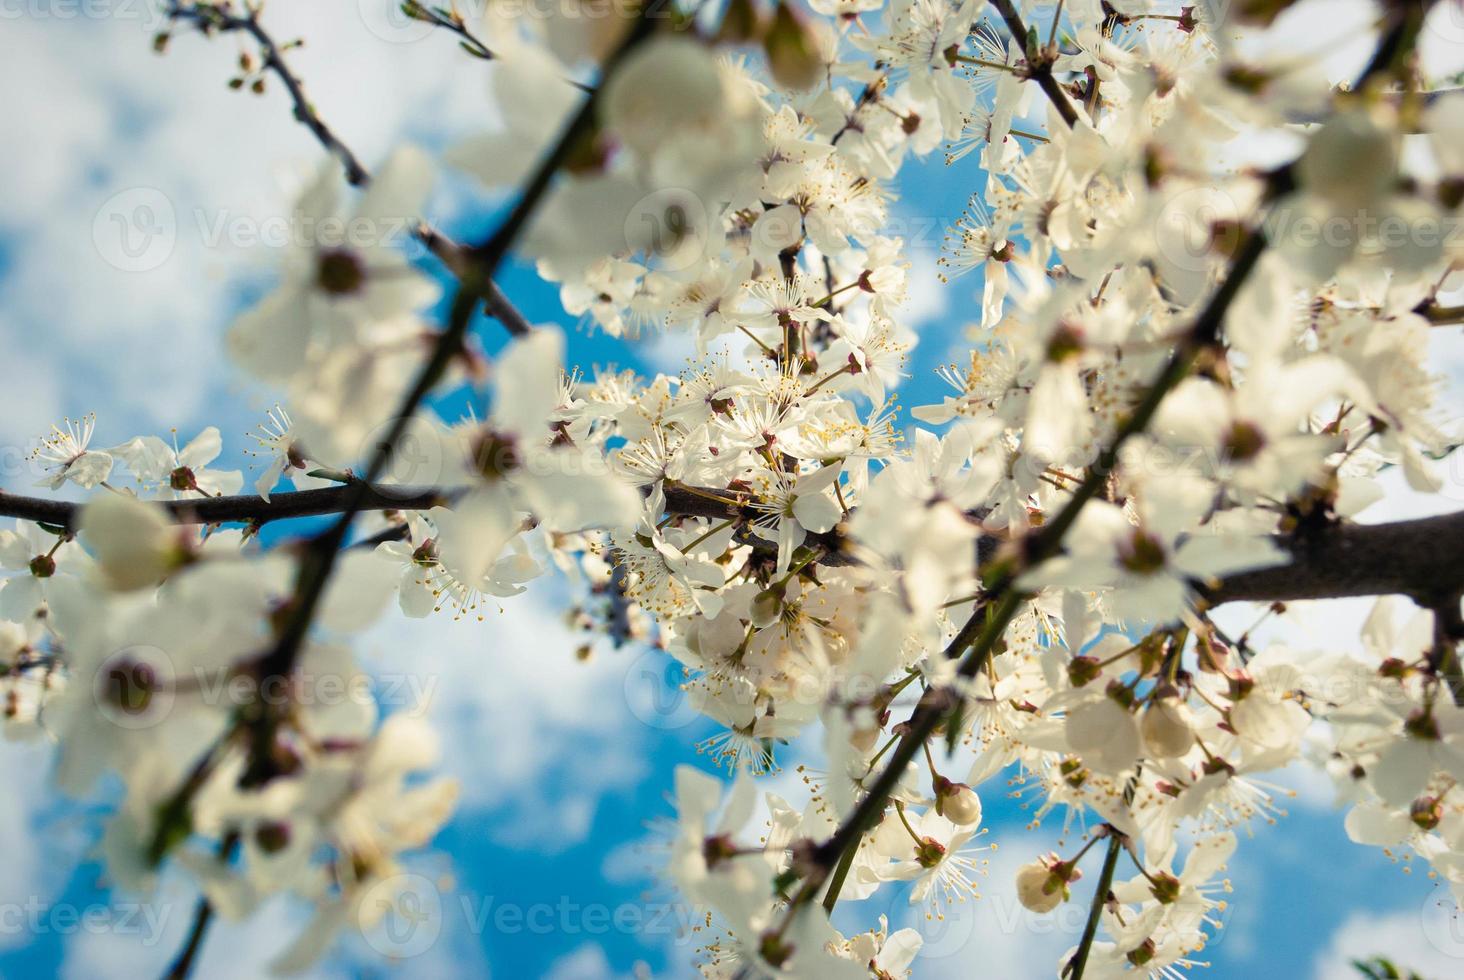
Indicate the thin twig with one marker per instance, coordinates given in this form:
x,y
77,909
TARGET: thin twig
x,y
213,17
203,914
449,20
1039,63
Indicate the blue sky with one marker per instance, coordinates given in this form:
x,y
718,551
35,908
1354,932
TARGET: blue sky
x,y
543,872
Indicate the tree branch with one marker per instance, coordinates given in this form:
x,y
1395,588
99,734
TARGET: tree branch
x,y
1422,559
1419,558
1079,961
211,17
1039,63
245,508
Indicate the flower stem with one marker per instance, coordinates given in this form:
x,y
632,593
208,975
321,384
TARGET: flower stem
x,y
1079,962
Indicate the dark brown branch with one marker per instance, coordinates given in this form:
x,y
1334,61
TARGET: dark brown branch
x,y
1039,63
1422,559
976,639
1443,659
455,257
1443,316
245,508
449,20
317,564
1079,961
203,915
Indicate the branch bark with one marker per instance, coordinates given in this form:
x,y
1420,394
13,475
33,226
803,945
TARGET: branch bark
x,y
245,508
1422,559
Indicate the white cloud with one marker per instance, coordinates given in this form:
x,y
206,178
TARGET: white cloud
x,y
588,962
1428,940
532,732
41,847
143,347
929,299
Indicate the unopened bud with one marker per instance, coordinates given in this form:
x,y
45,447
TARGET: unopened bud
x,y
1042,884
958,803
1167,725
793,55
767,606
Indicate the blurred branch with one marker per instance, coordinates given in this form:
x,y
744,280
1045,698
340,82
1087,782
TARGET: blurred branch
x,y
1443,316
213,18
216,18
1419,558
203,915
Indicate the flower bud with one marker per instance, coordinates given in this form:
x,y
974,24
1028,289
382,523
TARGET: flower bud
x,y
958,803
1426,812
793,51
767,606
667,87
1167,727
1038,888
1352,161
134,543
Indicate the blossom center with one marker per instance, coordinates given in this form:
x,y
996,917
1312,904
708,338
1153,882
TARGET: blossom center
x,y
1143,554
929,852
495,455
1244,442
339,272
131,685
